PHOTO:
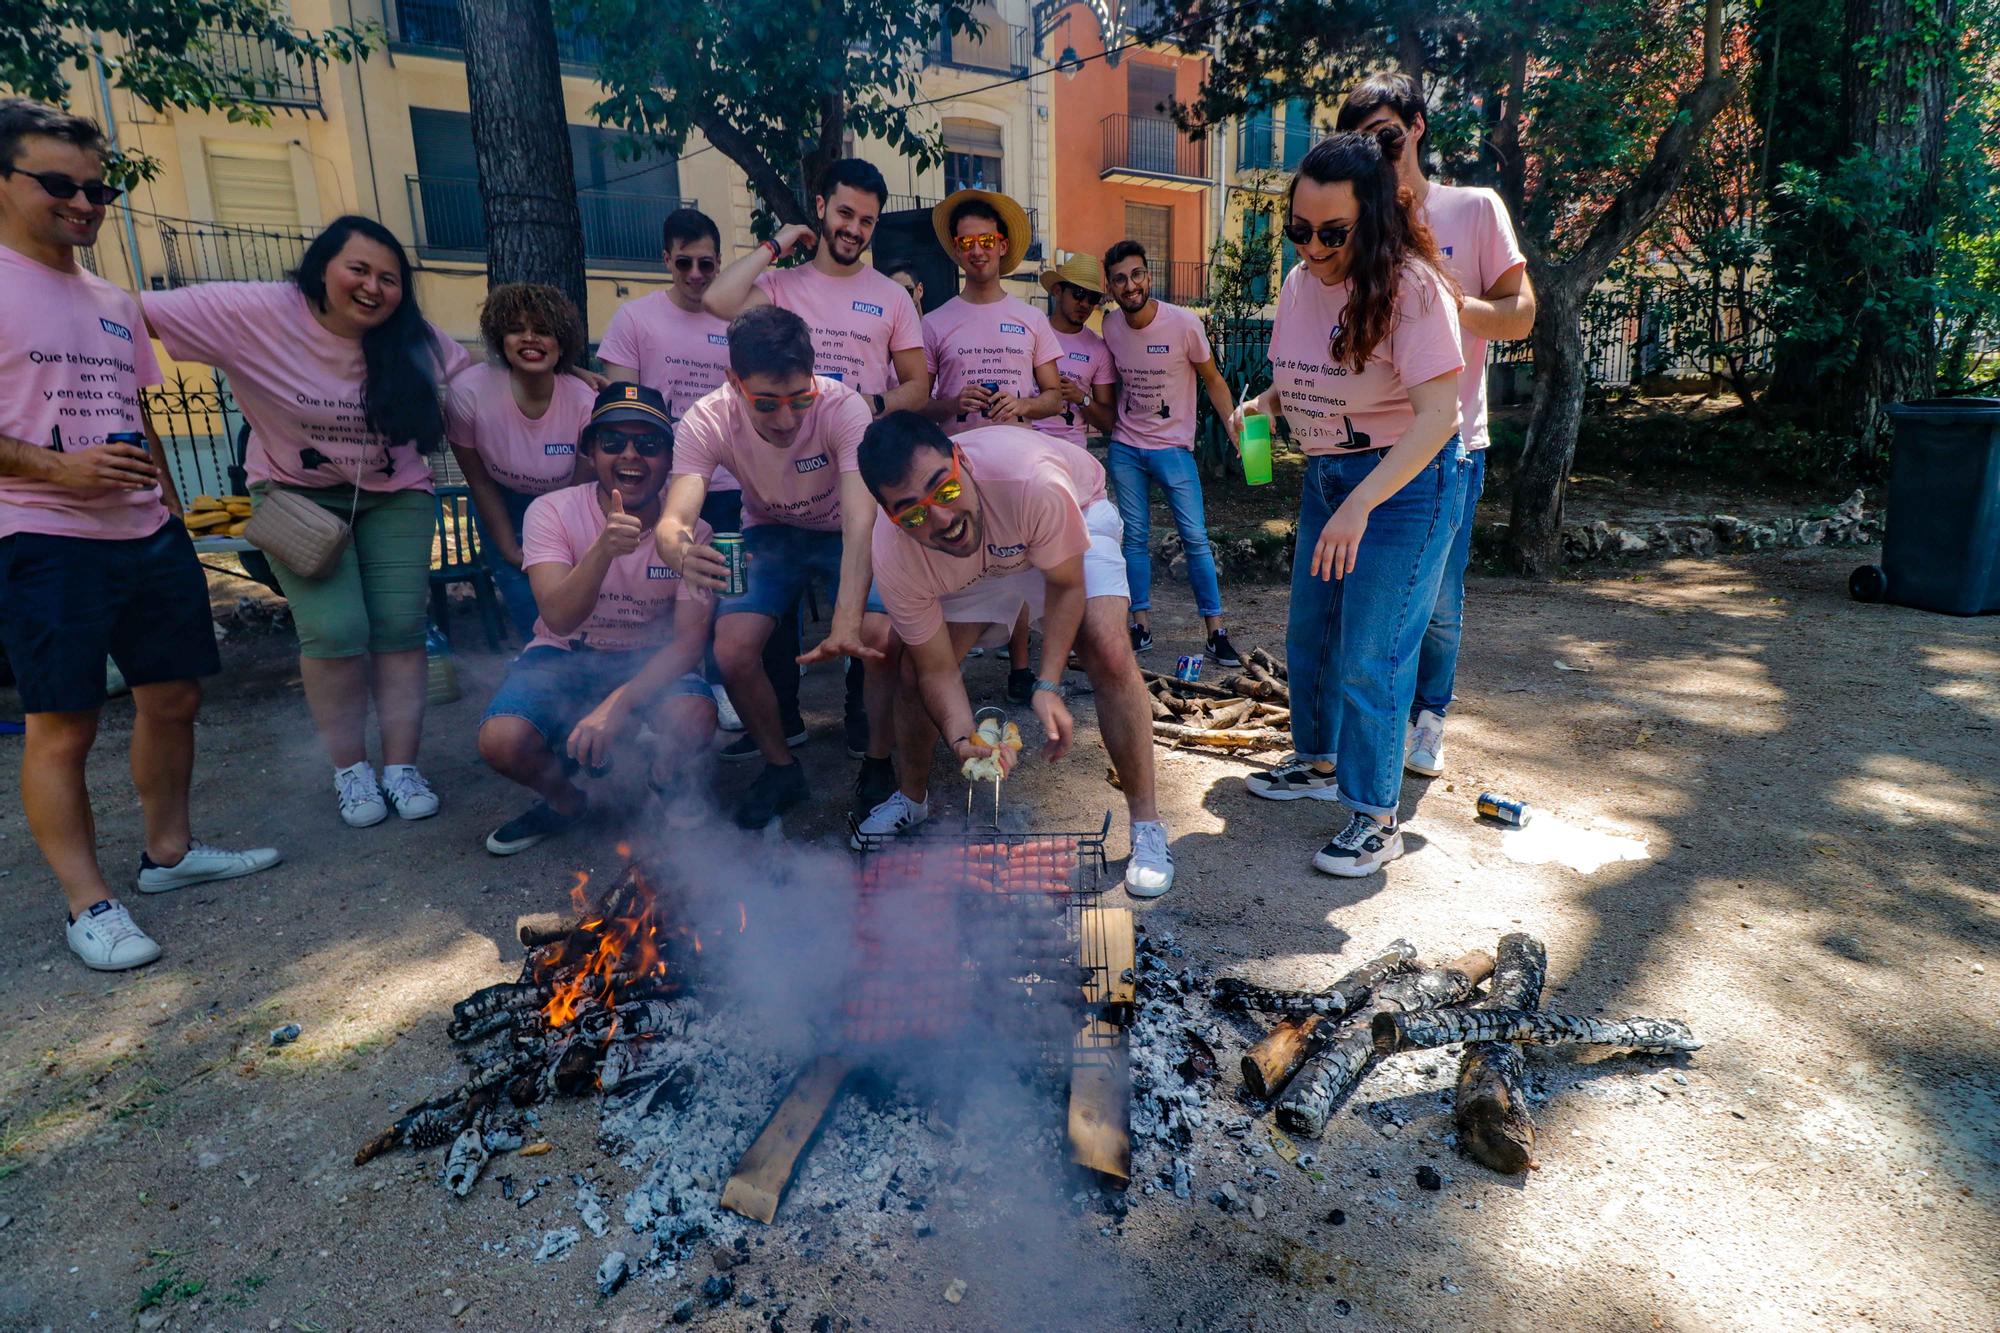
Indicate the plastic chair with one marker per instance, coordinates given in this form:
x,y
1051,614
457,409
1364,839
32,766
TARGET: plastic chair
x,y
458,561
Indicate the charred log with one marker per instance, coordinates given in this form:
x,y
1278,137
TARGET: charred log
x,y
1408,1031
1269,1065
1489,1106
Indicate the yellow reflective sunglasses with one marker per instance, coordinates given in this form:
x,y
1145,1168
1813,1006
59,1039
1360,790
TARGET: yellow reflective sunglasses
x,y
984,241
913,516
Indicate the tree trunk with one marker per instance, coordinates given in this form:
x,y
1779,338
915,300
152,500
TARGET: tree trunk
x,y
520,136
1535,534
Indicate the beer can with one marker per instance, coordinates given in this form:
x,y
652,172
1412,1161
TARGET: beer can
x,y
1188,669
991,386
137,439
1507,811
730,544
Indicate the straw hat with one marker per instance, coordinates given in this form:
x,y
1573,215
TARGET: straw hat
x,y
1020,235
1078,271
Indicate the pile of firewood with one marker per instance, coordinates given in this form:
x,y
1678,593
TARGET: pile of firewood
x,y
1251,710
1327,1039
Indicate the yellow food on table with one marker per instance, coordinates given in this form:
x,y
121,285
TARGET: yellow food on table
x,y
202,520
203,503
239,508
236,529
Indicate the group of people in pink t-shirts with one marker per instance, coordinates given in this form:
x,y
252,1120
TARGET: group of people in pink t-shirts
x,y
787,422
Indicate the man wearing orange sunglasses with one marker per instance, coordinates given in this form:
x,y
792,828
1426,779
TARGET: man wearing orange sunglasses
x,y
790,438
978,530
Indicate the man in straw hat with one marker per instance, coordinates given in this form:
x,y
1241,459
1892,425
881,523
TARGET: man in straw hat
x,y
992,356
1076,289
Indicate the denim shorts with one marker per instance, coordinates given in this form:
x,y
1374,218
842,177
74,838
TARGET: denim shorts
x,y
784,562
67,603
551,689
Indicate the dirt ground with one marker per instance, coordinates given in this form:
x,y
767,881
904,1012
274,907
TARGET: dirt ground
x,y
1813,781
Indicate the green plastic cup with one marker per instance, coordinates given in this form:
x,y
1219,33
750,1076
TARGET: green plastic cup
x,y
1255,442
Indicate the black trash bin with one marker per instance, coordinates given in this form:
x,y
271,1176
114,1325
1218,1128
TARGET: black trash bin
x,y
1942,548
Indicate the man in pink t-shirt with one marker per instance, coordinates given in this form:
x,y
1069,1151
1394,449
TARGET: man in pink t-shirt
x,y
1076,291
789,436
974,532
1160,351
1477,240
619,641
94,562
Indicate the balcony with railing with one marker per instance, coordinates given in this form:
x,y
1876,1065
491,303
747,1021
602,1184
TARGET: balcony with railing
x,y
1002,49
1262,145
1150,150
619,230
433,27
1179,281
262,72
228,252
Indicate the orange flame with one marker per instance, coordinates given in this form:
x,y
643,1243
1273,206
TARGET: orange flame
x,y
625,949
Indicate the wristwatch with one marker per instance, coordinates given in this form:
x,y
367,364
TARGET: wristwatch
x,y
1051,686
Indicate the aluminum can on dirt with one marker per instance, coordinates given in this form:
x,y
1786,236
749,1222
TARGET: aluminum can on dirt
x,y
730,544
1506,810
1188,669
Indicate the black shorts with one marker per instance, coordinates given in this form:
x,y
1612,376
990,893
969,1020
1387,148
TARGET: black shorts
x,y
67,603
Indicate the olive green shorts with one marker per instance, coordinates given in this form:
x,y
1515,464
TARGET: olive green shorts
x,y
376,599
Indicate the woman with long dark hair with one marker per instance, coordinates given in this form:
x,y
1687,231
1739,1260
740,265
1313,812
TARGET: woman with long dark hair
x,y
1365,361
340,377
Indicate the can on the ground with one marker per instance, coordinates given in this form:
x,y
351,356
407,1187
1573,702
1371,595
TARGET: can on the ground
x,y
730,545
1505,809
1188,669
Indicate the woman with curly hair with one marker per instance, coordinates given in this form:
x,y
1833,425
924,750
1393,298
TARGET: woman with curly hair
x,y
513,423
340,378
1365,361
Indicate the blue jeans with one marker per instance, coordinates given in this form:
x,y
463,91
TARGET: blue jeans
x,y
510,581
1351,644
1174,469
1437,663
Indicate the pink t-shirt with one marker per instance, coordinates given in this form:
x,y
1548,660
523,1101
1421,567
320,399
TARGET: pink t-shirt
x,y
857,322
999,342
635,603
1156,376
1032,494
1472,229
798,486
1332,410
299,386
76,355
682,353
1086,360
532,456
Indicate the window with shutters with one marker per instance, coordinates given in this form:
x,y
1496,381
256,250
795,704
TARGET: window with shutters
x,y
972,156
1153,227
250,186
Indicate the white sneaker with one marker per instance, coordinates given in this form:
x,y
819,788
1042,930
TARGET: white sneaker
x,y
202,864
1150,872
1423,745
107,939
898,814
725,712
407,792
1362,848
361,802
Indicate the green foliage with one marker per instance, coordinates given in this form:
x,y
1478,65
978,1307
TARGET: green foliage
x,y
163,52
1738,448
772,85
1239,278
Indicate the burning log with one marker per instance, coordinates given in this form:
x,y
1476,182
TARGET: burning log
x,y
1654,1036
1270,1064
1494,1125
1331,1072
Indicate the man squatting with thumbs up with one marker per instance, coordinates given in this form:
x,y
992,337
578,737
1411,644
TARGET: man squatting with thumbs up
x,y
620,639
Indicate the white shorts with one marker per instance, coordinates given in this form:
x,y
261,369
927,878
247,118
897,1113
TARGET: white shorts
x,y
998,602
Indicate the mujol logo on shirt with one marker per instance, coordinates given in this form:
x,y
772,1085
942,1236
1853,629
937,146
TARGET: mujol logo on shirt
x,y
1077,356
1157,349
719,339
867,309
1013,328
661,572
558,450
813,464
1005,552
115,329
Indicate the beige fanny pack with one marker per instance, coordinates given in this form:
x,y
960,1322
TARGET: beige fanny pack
x,y
298,533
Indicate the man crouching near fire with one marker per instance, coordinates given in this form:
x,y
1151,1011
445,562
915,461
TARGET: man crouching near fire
x,y
619,640
973,529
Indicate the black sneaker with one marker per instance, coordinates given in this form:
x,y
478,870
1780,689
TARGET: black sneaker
x,y
1221,650
1294,779
745,748
538,823
1020,685
855,728
1362,848
873,783
1142,639
776,790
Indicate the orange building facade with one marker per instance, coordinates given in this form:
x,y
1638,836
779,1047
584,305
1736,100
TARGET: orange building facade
x,y
1121,168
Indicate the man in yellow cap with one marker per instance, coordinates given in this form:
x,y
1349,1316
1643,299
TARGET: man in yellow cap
x,y
1076,290
991,356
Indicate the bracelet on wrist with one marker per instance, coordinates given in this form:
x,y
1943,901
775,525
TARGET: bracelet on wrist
x,y
1050,686
776,253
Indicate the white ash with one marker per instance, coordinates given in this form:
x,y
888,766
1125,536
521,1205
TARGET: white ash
x,y
590,1209
557,1244
1171,1116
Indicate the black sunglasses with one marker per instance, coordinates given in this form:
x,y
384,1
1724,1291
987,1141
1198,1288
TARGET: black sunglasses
x,y
1080,294
59,186
1332,235
646,446
689,263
